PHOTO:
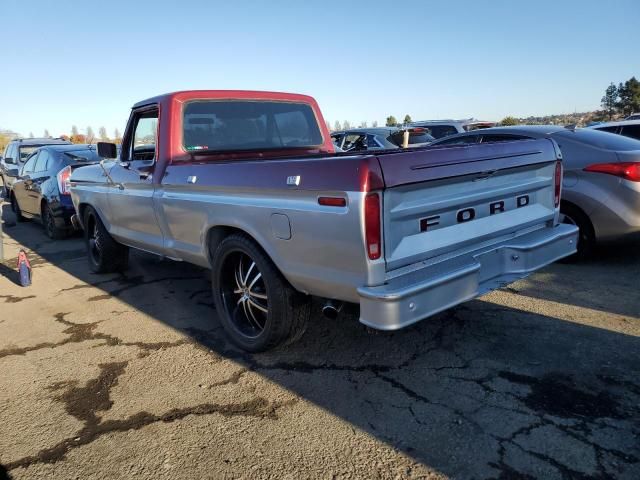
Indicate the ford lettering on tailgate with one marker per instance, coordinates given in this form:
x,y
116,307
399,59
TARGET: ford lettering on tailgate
x,y
470,213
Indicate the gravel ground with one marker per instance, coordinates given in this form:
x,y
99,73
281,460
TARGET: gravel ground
x,y
111,376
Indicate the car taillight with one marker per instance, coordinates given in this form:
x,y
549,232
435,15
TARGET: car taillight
x,y
558,184
64,181
626,170
372,225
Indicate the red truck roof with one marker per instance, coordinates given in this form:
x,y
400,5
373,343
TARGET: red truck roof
x,y
186,95
170,106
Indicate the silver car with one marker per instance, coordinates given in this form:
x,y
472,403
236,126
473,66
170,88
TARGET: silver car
x,y
601,186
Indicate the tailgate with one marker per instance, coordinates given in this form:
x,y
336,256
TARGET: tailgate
x,y
448,200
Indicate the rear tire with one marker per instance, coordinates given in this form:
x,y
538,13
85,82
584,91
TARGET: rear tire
x,y
257,307
572,215
104,254
16,209
49,223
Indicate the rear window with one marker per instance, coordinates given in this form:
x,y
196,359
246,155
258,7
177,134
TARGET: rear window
x,y
607,141
221,126
82,156
26,151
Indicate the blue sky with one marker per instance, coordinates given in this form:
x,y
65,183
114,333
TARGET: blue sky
x,y
86,63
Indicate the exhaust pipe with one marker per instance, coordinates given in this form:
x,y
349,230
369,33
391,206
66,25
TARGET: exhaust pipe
x,y
331,309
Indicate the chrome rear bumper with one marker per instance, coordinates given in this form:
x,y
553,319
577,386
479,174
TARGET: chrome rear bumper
x,y
426,291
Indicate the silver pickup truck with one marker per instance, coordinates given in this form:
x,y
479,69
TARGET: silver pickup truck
x,y
248,185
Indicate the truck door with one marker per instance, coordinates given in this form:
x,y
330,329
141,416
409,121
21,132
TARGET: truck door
x,y
131,198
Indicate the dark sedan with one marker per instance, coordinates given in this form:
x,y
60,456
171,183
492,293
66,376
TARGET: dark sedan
x,y
42,192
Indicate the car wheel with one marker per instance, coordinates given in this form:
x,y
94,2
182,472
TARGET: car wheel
x,y
16,209
572,215
49,223
105,255
257,307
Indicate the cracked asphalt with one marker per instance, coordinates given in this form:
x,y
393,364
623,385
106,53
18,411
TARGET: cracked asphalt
x,y
115,376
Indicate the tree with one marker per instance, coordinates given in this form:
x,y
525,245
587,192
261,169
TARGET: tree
x,y
328,125
102,133
90,135
363,124
346,125
407,118
30,134
391,121
629,95
74,130
4,141
46,133
610,100
116,136
506,121
337,126
374,124
79,138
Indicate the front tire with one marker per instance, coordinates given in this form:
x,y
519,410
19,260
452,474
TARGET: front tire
x,y
105,255
257,307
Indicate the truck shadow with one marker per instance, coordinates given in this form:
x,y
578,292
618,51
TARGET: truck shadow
x,y
482,390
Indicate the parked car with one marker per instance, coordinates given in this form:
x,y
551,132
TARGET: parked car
x,y
41,191
15,155
379,138
248,185
628,128
601,187
444,128
633,116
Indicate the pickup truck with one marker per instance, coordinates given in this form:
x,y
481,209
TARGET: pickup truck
x,y
248,185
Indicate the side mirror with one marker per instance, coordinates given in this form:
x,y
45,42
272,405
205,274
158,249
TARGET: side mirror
x,y
13,172
107,150
9,161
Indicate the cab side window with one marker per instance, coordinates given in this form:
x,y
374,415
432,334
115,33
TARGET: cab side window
x,y
143,139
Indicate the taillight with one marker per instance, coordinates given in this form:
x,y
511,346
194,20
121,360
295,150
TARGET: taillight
x,y
372,225
64,181
558,184
626,170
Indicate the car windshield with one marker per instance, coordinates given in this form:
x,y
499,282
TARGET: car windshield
x,y
83,155
596,138
249,125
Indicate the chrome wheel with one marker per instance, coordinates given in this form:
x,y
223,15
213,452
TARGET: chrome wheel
x,y
244,294
95,249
